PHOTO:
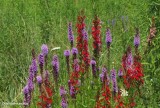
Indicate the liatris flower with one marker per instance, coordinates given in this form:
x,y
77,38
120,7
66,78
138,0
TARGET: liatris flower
x,y
44,49
30,88
67,54
30,85
104,75
41,63
129,59
63,93
76,65
74,52
114,81
55,64
85,52
96,37
80,28
26,93
26,90
108,38
120,73
34,66
74,81
39,80
137,39
70,34
64,103
73,92
31,72
93,65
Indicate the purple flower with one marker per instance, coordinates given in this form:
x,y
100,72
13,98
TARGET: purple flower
x,y
74,51
41,59
55,64
70,33
108,37
31,72
67,53
104,75
114,80
120,72
30,85
76,65
137,40
129,60
39,79
26,95
26,90
44,49
64,103
93,65
85,35
34,66
72,92
62,91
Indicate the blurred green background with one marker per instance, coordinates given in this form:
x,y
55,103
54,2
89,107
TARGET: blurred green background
x,y
27,24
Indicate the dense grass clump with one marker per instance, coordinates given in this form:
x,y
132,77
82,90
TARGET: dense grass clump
x,y
79,79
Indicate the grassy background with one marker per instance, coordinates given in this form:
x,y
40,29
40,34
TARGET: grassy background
x,y
27,24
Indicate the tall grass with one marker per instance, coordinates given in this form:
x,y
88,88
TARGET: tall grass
x,y
27,24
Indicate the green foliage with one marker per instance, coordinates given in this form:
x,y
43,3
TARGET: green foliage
x,y
26,24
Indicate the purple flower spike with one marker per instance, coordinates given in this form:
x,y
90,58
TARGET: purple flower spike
x,y
44,49
62,91
70,33
30,85
136,40
26,95
129,60
114,80
120,73
67,53
41,59
34,66
55,64
104,75
31,72
76,65
85,35
72,92
74,51
39,80
64,103
93,65
26,90
108,37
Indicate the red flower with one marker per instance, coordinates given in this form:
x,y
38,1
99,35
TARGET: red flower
x,y
96,36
